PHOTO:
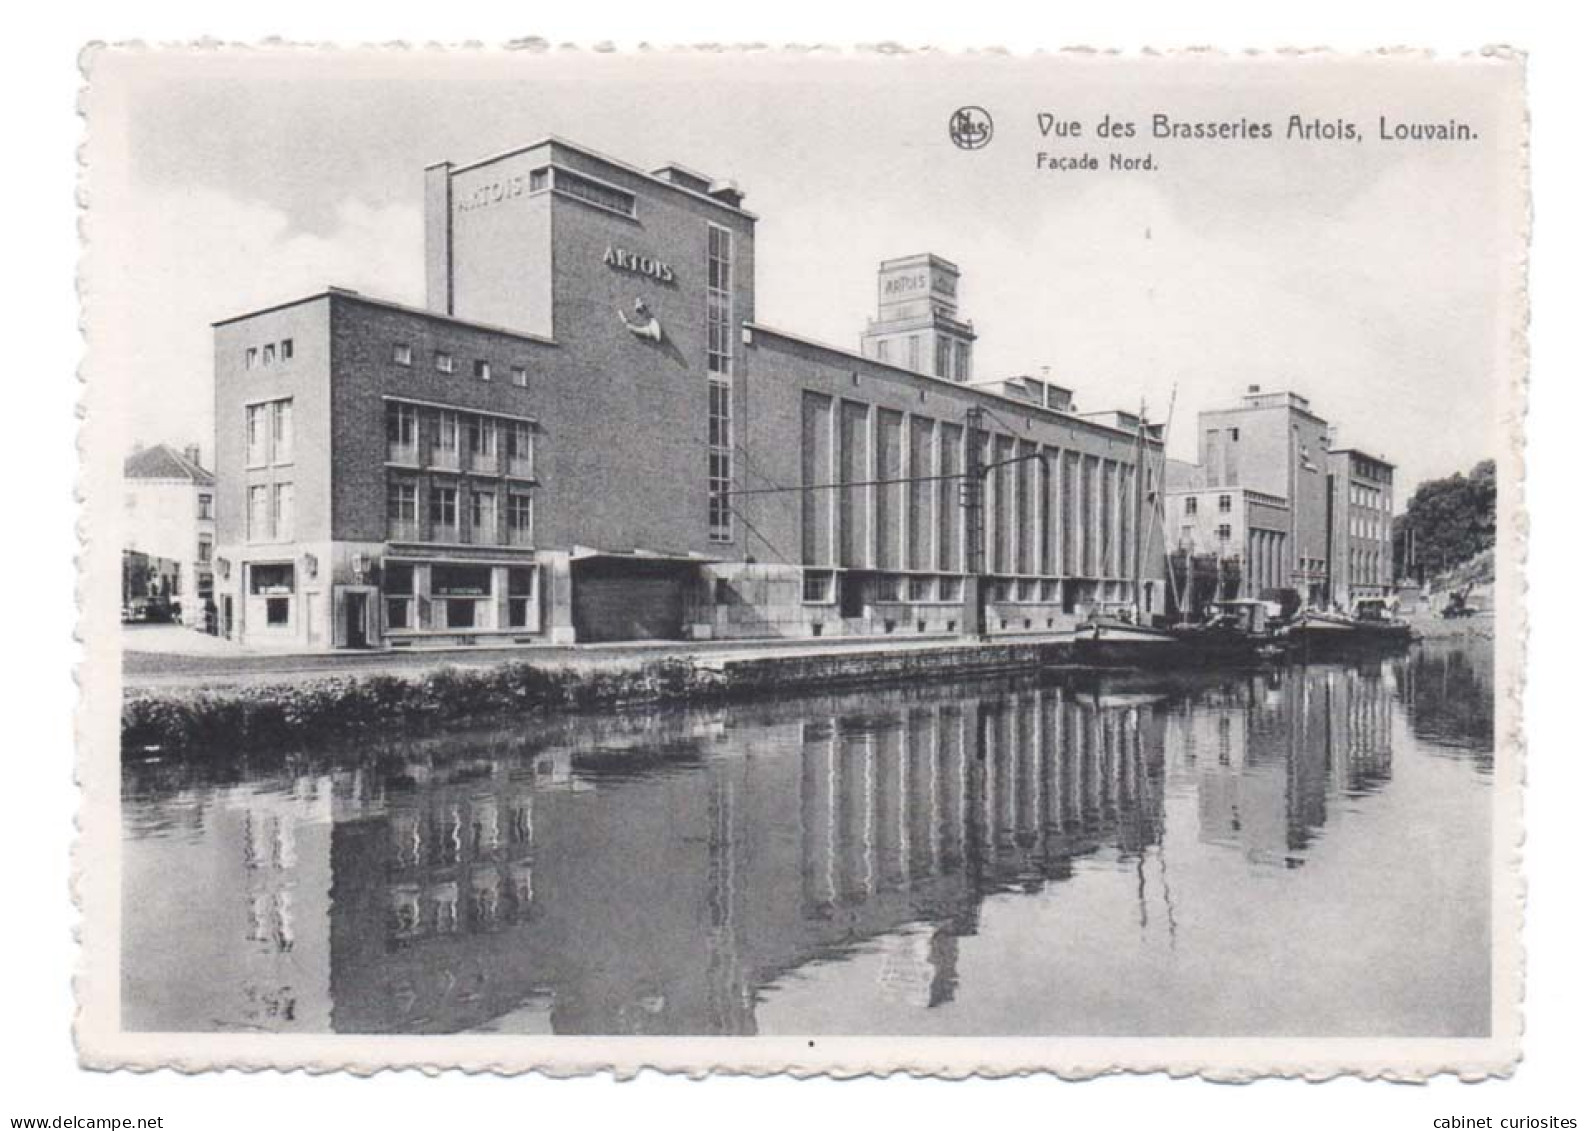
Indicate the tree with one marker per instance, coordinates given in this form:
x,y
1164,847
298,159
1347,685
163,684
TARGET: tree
x,y
1451,521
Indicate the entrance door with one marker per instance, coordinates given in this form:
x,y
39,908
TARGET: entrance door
x,y
357,636
851,595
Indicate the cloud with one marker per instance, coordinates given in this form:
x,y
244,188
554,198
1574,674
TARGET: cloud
x,y
156,279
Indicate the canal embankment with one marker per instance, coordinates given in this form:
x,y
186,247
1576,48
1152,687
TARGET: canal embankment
x,y
250,711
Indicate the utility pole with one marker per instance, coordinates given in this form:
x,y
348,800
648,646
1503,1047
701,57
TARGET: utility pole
x,y
970,498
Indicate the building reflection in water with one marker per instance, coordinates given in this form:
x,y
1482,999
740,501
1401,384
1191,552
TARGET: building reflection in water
x,y
586,890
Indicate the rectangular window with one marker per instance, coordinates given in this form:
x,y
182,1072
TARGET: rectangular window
x,y
719,461
269,355
943,362
397,586
482,517
915,352
521,519
444,514
206,506
258,434
445,453
286,349
482,369
818,587
962,361
251,357
444,362
1224,504
273,580
952,589
593,192
402,510
520,598
403,354
520,450
1235,435
882,350
258,513
281,512
1190,504
482,444
887,588
281,431
923,588
402,433
460,594
1224,532
521,376
719,300
206,549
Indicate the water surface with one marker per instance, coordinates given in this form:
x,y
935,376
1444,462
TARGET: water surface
x,y
1302,852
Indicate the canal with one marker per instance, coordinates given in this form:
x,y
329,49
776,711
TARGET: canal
x,y
1298,852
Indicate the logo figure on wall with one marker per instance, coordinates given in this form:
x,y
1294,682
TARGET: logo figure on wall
x,y
970,127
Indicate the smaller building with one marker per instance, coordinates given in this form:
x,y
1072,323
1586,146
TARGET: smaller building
x,y
170,515
1361,554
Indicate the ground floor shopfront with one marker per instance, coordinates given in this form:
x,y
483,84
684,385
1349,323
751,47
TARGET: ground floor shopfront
x,y
393,596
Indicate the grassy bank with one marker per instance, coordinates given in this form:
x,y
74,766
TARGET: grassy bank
x,y
244,718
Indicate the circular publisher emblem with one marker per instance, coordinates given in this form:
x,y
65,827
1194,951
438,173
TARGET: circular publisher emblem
x,y
970,127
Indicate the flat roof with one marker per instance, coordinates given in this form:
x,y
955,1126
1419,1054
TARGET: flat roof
x,y
388,304
596,155
1359,452
978,390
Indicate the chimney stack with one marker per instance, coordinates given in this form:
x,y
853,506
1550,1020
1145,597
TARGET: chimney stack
x,y
191,452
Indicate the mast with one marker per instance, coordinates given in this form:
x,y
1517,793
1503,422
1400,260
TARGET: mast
x,y
1135,549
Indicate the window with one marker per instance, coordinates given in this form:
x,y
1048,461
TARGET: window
x,y
1224,504
482,443
206,506
923,588
521,519
592,192
520,452
398,587
403,354
445,452
206,549
281,431
444,362
952,589
402,433
882,350
818,587
962,361
281,512
258,435
482,369
402,509
887,588
520,598
444,513
269,356
286,349
521,376
258,513
273,580
719,461
1224,532
1190,504
482,516
460,595
278,611
915,352
943,361
1235,435
719,300
251,357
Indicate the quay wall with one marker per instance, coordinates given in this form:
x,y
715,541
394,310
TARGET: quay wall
x,y
232,720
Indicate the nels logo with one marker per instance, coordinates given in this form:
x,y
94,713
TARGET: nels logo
x,y
970,127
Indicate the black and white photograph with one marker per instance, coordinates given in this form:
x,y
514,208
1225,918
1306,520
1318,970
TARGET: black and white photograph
x,y
824,562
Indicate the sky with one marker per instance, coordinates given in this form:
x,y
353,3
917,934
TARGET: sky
x,y
1374,278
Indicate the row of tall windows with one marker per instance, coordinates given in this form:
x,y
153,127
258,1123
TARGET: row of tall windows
x,y
460,513
449,440
719,388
